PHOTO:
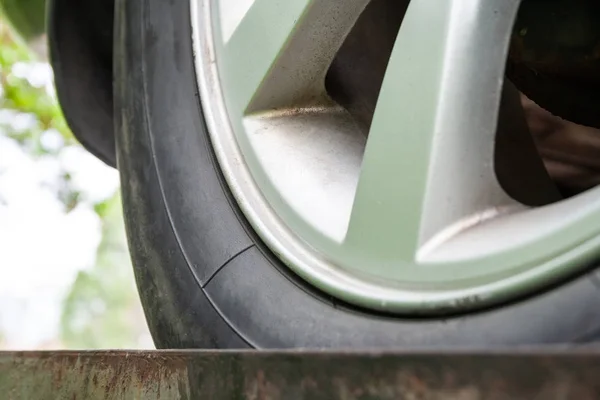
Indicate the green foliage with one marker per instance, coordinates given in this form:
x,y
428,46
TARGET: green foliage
x,y
102,308
28,17
23,97
100,311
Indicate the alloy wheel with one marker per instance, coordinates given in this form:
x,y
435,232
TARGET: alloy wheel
x,y
396,206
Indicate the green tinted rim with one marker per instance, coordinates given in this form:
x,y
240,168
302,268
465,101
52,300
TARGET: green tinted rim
x,y
412,218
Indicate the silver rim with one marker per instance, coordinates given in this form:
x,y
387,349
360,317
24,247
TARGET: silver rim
x,y
411,218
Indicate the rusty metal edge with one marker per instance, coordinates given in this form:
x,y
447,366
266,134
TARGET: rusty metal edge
x,y
526,373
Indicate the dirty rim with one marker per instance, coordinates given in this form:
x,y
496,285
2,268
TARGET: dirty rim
x,y
410,218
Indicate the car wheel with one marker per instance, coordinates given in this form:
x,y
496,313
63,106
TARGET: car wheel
x,y
287,183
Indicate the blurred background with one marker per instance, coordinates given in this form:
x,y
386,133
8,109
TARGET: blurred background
x,y
66,280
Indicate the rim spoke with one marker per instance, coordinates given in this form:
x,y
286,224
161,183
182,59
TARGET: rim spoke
x,y
279,54
404,243
428,166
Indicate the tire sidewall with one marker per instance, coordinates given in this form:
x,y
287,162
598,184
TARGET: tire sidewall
x,y
205,278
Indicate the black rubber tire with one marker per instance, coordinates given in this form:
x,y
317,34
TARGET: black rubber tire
x,y
205,279
80,44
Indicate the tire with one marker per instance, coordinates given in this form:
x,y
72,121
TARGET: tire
x,y
206,280
80,44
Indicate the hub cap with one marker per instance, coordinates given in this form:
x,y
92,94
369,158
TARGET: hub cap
x,y
402,211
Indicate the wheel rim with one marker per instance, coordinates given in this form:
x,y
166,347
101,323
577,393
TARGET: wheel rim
x,y
418,223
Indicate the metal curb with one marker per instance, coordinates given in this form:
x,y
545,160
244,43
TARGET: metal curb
x,y
524,374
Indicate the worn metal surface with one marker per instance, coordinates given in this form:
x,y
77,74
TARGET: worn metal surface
x,y
298,375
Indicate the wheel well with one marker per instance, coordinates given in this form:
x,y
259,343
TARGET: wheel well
x,y
80,38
